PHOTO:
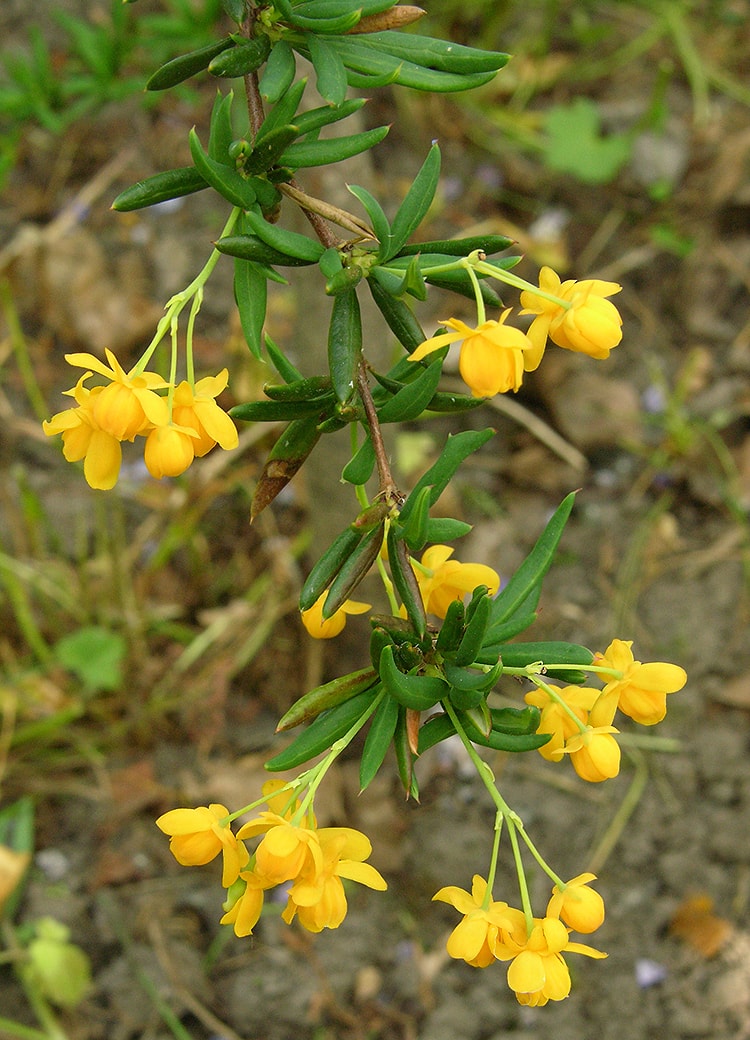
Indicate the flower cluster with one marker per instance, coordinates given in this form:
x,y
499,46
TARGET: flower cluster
x,y
494,931
185,424
579,718
575,315
309,861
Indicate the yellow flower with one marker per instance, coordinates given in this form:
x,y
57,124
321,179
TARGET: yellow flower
x,y
492,355
287,848
198,835
196,409
485,933
577,905
539,972
591,324
83,438
441,580
595,753
556,720
245,911
643,688
317,897
326,628
128,406
169,450
12,868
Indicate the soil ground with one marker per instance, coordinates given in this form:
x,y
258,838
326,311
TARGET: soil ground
x,y
658,441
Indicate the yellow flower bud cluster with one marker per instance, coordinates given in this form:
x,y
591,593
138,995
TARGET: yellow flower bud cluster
x,y
309,861
183,425
579,718
494,931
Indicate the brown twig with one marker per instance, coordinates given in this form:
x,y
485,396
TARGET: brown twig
x,y
388,488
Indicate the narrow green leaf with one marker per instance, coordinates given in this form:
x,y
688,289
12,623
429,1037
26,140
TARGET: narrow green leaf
x,y
283,112
565,655
446,529
405,580
321,153
431,53
415,531
412,399
281,362
459,246
277,411
477,623
345,344
405,757
312,120
221,131
226,181
186,65
250,292
235,9
311,389
418,200
266,153
468,680
378,740
353,570
172,184
439,475
335,25
345,279
251,247
329,70
278,75
328,566
531,572
242,59
378,219
324,731
327,696
370,66
291,243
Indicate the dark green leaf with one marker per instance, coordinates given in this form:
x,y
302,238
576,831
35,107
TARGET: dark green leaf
x,y
359,469
438,476
242,59
288,454
353,570
412,399
397,314
266,153
321,153
405,581
418,692
279,72
379,737
327,696
431,53
329,70
531,572
328,566
291,243
324,731
459,246
418,200
315,118
281,362
312,389
223,179
378,219
476,627
251,247
250,291
221,131
345,344
415,531
186,65
282,113
446,529
172,184
276,411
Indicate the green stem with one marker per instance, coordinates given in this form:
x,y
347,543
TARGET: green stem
x,y
21,352
22,1032
493,860
177,303
522,883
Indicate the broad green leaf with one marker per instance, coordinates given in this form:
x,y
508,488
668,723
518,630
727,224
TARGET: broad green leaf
x,y
359,468
574,143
